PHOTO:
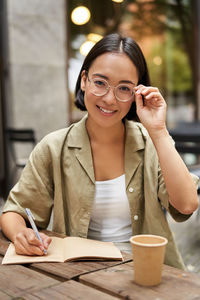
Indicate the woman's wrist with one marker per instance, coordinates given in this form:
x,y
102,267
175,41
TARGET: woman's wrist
x,y
159,134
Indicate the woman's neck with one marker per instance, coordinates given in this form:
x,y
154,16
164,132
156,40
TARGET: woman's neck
x,y
101,134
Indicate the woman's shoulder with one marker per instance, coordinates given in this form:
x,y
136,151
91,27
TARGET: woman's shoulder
x,y
54,139
59,136
137,128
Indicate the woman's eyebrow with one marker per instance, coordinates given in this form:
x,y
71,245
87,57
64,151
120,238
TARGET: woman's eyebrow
x,y
105,77
127,81
100,75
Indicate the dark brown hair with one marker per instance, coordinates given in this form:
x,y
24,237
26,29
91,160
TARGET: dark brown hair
x,y
115,43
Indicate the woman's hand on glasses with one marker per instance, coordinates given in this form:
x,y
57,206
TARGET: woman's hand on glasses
x,y
151,108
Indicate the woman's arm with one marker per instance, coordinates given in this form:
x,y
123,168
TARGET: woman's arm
x,y
25,241
151,109
179,183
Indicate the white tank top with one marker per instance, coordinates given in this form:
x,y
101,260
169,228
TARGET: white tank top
x,y
110,218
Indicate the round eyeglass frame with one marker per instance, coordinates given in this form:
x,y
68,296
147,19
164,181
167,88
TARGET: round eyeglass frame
x,y
108,88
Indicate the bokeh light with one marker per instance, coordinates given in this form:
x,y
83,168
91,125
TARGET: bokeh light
x,y
80,15
118,1
86,47
157,60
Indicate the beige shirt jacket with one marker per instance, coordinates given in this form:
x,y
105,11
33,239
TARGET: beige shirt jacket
x,y
60,175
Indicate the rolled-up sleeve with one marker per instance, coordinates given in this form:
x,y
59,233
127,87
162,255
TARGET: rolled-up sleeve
x,y
34,189
164,198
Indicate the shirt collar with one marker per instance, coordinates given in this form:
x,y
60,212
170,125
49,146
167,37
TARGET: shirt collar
x,y
135,135
134,141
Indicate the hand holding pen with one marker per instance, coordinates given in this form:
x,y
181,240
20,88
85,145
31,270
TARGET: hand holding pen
x,y
31,220
25,239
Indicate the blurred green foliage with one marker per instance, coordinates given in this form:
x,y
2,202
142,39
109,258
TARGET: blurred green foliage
x,y
173,75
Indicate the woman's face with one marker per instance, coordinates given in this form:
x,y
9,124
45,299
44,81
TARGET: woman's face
x,y
115,68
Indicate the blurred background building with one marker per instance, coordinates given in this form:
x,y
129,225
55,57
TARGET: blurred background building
x,y
43,44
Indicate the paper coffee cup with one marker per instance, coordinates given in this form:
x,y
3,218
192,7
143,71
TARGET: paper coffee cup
x,y
148,257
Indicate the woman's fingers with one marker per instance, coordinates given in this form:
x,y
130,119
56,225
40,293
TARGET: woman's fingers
x,y
27,249
139,101
27,243
148,93
141,89
23,247
46,240
153,95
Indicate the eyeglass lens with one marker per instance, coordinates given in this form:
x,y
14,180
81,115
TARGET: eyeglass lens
x,y
123,92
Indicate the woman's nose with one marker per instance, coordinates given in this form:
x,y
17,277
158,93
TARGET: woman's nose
x,y
109,97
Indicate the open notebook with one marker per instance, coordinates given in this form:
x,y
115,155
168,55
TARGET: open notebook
x,y
69,248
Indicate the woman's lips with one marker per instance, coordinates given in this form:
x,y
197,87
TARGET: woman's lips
x,y
106,111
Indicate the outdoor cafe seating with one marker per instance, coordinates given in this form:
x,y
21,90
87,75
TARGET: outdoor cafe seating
x,y
20,143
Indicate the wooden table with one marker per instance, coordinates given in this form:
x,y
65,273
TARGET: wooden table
x,y
90,280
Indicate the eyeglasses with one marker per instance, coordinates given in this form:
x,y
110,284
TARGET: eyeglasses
x,y
123,92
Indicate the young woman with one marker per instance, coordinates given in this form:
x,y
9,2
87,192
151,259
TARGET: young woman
x,y
111,175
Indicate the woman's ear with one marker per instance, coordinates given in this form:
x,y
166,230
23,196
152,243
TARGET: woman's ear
x,y
83,80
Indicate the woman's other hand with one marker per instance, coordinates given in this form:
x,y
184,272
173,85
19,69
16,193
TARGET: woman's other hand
x,y
151,108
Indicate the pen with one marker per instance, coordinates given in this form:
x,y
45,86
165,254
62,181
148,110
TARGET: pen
x,y
31,220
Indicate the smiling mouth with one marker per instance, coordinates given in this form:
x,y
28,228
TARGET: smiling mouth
x,y
106,111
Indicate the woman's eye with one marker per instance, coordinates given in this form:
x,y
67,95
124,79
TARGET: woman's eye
x,y
99,82
125,88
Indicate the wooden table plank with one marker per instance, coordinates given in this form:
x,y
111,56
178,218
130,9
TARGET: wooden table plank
x,y
4,296
4,243
118,281
70,270
17,281
69,290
